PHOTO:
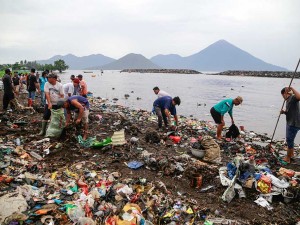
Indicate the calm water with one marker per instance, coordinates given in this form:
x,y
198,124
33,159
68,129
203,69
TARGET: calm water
x,y
198,93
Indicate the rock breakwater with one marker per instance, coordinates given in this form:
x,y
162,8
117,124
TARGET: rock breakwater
x,y
275,74
180,71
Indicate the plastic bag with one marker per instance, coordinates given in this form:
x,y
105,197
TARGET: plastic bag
x,y
57,123
233,132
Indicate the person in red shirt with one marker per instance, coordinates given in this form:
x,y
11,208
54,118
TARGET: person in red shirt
x,y
83,86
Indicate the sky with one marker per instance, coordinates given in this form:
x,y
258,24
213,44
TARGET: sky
x,y
40,29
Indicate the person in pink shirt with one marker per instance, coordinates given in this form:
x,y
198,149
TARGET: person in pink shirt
x,y
83,86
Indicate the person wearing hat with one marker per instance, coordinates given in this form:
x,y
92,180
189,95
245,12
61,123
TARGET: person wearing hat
x,y
218,111
83,86
54,93
292,112
164,108
80,106
8,95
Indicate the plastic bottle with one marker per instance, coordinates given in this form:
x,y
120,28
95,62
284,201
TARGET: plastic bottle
x,y
18,141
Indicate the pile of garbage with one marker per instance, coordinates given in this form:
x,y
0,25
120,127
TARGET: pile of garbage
x,y
127,173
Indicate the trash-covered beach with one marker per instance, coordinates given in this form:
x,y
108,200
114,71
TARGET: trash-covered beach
x,y
128,173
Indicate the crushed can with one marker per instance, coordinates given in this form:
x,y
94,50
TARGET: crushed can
x,y
196,181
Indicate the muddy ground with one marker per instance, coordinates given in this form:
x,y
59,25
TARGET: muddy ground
x,y
113,159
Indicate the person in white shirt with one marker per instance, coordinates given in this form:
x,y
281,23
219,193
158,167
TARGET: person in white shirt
x,y
71,89
54,93
160,93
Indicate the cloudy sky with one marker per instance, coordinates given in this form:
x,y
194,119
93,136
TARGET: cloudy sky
x,y
40,29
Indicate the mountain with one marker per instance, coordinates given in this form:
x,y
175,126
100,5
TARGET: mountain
x,y
130,61
77,63
219,56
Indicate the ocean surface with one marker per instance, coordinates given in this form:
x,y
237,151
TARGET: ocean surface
x,y
198,93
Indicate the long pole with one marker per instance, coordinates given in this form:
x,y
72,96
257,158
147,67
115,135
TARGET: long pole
x,y
284,103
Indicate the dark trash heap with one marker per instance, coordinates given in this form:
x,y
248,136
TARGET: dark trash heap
x,y
129,173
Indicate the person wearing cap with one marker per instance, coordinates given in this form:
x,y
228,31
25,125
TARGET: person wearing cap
x,y
8,94
54,93
218,111
292,112
164,108
81,106
42,80
83,86
70,89
160,93
32,86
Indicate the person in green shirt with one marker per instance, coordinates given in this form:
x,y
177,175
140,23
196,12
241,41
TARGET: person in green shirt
x,y
218,111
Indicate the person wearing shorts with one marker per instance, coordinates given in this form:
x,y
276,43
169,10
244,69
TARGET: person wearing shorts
x,y
80,105
218,111
32,86
292,112
54,94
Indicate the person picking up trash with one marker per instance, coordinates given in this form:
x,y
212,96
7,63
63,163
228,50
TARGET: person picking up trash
x,y
54,93
81,106
164,108
292,113
218,111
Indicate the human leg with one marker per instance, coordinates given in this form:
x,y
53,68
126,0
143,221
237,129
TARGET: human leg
x,y
219,131
291,133
5,101
217,118
43,98
29,101
85,120
164,118
46,117
159,116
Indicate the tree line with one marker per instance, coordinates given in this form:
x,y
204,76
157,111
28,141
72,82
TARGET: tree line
x,y
59,65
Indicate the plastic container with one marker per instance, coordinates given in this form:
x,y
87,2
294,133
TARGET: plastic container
x,y
175,139
100,144
198,153
18,141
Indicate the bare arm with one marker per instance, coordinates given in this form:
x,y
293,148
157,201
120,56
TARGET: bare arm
x,y
176,119
296,93
81,109
47,94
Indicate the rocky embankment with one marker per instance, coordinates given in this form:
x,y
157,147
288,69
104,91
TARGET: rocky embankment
x,y
180,71
276,74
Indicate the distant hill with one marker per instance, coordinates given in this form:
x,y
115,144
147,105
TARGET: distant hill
x,y
130,61
77,63
219,56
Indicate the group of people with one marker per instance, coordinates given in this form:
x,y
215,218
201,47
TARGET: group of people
x,y
164,107
72,96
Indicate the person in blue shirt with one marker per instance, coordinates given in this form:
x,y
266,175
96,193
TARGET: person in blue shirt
x,y
164,108
42,80
218,111
80,105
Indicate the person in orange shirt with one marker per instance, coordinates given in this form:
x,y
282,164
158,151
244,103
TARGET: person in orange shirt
x,y
83,86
